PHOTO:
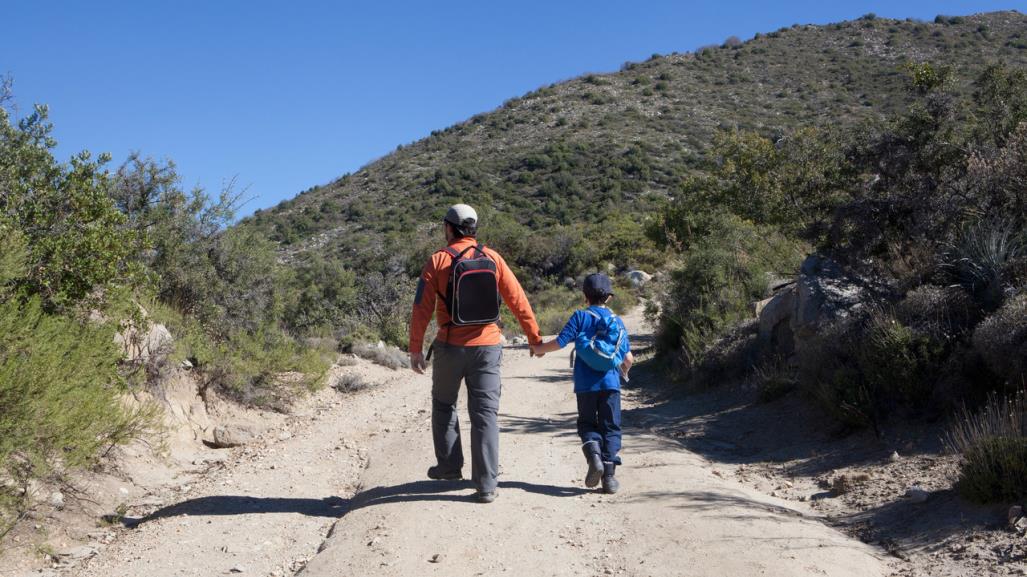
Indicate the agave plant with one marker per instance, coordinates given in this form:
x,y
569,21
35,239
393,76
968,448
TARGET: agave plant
x,y
982,259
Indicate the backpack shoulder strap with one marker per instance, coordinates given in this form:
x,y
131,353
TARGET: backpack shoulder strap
x,y
450,251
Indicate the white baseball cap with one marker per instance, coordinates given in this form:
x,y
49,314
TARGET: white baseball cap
x,y
461,215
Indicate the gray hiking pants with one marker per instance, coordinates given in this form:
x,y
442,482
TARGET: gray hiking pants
x,y
479,368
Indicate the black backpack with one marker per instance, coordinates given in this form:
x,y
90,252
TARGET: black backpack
x,y
472,293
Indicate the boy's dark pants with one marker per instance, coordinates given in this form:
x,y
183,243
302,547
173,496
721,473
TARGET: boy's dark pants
x,y
599,420
479,368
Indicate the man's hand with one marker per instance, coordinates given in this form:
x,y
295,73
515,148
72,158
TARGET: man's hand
x,y
535,353
417,362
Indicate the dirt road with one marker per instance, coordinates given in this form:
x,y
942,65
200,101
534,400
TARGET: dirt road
x,y
346,495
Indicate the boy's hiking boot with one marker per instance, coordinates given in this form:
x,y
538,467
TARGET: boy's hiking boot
x,y
439,474
483,497
595,463
610,483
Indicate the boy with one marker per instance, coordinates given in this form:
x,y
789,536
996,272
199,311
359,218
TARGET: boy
x,y
598,391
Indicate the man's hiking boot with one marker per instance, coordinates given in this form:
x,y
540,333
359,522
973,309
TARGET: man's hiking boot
x,y
483,497
595,463
439,474
610,483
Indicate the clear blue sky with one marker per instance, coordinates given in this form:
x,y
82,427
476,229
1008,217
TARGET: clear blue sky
x,y
286,95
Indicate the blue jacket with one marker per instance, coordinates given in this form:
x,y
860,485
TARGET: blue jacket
x,y
587,379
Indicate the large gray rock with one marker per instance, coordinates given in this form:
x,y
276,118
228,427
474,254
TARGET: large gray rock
x,y
638,278
824,294
774,321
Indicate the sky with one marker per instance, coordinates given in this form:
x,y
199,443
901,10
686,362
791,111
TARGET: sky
x,y
282,96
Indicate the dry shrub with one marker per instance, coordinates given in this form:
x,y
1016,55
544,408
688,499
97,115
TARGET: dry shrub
x,y
382,354
350,383
942,312
993,442
1001,340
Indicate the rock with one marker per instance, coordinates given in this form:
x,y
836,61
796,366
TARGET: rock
x,y
284,436
638,278
77,553
227,436
894,458
824,293
519,340
237,569
154,343
502,340
436,558
917,495
57,500
775,322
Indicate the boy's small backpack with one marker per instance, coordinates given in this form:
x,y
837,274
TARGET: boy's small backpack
x,y
601,348
472,293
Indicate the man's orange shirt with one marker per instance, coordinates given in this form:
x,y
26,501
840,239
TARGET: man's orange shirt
x,y
434,279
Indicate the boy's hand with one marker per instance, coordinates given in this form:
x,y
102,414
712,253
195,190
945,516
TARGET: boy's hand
x,y
535,353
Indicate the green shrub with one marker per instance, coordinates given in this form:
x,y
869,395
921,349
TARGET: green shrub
x,y
865,370
266,367
61,403
719,276
993,443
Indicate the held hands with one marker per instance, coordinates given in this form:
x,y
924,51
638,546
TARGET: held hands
x,y
417,363
535,352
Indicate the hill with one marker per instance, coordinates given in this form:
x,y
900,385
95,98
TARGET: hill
x,y
549,167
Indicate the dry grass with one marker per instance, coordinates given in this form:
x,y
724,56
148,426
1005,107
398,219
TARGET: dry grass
x,y
993,443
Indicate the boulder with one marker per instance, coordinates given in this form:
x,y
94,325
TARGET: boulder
x,y
824,293
775,321
638,278
228,437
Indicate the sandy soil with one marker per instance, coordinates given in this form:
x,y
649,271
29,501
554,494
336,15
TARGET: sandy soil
x,y
339,489
859,482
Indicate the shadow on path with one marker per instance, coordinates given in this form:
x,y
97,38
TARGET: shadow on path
x,y
337,507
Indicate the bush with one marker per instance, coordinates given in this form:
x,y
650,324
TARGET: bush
x,y
720,275
993,443
384,355
266,367
350,383
945,313
1001,340
984,261
61,393
864,370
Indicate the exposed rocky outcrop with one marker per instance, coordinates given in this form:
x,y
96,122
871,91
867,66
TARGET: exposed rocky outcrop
x,y
824,293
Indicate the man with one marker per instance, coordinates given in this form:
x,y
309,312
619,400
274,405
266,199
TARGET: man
x,y
469,278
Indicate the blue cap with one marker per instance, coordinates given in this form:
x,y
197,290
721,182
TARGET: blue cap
x,y
597,285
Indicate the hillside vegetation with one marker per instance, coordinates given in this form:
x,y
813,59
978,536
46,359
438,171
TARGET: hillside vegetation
x,y
593,157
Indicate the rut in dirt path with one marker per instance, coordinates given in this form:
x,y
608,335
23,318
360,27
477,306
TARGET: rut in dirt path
x,y
673,516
